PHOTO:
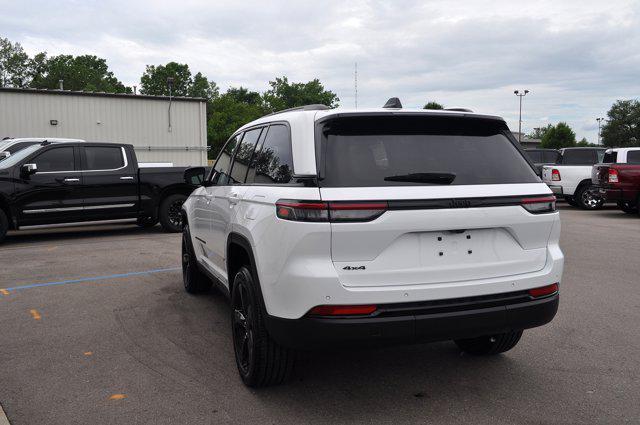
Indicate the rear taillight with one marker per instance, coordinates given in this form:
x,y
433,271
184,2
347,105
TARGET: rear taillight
x,y
317,211
555,175
342,310
613,175
539,205
544,291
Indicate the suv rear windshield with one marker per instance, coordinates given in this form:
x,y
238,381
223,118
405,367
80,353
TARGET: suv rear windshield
x,y
405,150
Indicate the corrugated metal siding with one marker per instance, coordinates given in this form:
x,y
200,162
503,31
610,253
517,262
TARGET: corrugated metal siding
x,y
138,121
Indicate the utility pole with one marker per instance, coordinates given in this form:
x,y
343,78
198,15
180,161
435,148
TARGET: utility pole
x,y
520,95
356,83
600,119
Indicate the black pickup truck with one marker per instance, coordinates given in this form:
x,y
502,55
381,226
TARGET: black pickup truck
x,y
70,182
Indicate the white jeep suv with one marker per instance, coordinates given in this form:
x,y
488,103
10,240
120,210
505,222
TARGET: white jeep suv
x,y
331,228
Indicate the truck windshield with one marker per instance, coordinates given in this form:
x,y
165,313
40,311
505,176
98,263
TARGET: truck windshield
x,y
401,150
18,156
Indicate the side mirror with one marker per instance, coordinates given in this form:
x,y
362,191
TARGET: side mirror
x,y
29,169
4,155
194,176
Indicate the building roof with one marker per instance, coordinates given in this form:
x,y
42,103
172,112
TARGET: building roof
x,y
101,94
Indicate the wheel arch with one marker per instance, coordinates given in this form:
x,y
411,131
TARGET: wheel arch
x,y
239,253
4,206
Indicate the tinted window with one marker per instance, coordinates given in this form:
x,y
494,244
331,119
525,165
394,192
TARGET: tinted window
x,y
550,157
103,158
405,151
536,156
223,164
273,163
578,157
610,157
243,155
633,157
56,159
18,146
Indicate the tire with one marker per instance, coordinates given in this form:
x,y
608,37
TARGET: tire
x,y
4,225
195,282
571,201
260,360
628,208
489,344
170,213
146,222
588,200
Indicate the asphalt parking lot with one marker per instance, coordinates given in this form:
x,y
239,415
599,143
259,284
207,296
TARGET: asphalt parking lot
x,y
96,328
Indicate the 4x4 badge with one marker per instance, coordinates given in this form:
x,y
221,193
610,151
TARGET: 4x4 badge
x,y
354,268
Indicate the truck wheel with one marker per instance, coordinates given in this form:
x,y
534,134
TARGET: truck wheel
x,y
170,213
587,199
4,225
571,201
489,344
194,280
261,361
628,207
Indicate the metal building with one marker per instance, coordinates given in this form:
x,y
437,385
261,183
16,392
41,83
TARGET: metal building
x,y
161,129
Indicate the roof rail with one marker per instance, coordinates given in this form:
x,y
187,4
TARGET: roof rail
x,y
458,109
314,107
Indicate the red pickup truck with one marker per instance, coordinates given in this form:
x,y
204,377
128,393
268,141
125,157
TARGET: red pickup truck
x,y
620,182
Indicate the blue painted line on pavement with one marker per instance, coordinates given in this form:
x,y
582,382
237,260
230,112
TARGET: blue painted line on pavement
x,y
92,279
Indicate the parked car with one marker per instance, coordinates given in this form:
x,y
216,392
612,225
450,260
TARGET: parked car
x,y
571,177
10,146
331,228
67,182
542,157
618,178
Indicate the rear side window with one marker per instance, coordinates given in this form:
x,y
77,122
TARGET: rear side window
x,y
273,163
610,157
223,164
103,158
633,157
536,156
550,157
18,146
243,156
579,157
419,150
56,159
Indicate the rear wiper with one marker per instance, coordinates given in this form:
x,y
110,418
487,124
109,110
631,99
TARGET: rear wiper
x,y
436,178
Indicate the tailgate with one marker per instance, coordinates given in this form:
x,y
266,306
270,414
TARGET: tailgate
x,y
432,239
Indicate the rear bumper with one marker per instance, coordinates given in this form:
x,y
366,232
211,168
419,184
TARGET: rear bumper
x,y
557,190
418,322
618,195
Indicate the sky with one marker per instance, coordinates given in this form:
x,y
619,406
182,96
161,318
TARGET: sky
x,y
575,57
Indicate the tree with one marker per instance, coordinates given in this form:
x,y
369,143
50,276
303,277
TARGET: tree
x,y
539,132
284,95
433,105
623,126
228,112
86,72
558,136
154,81
14,64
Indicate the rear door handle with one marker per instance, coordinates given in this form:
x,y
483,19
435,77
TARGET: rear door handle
x,y
71,180
126,178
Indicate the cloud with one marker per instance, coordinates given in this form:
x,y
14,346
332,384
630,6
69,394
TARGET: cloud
x,y
576,57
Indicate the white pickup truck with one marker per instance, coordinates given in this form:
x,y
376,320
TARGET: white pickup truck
x,y
570,178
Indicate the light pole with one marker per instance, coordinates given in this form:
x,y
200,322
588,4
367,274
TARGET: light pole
x,y
520,95
600,119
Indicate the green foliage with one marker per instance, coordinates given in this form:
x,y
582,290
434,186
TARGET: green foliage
x,y
623,126
433,105
284,95
228,112
86,72
539,132
558,136
15,65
